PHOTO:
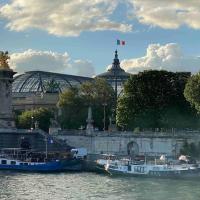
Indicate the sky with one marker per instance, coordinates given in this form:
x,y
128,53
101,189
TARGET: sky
x,y
79,37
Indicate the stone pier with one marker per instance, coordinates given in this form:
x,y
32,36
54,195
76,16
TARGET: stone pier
x,y
6,79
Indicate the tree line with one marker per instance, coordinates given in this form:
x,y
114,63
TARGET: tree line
x,y
150,99
73,104
156,99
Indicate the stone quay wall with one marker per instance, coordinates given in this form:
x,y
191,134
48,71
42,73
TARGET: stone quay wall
x,y
128,143
12,138
120,143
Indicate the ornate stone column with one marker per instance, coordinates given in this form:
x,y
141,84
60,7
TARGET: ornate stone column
x,y
6,79
89,127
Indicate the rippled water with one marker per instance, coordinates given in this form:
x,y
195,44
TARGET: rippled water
x,y
21,186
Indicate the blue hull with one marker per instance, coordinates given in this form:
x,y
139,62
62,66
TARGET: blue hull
x,y
53,166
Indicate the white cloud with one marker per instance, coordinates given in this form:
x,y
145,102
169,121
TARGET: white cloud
x,y
62,17
49,61
39,60
70,17
167,57
167,13
83,67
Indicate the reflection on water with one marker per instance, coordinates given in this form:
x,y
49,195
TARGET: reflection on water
x,y
67,186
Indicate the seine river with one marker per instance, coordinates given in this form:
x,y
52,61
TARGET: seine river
x,y
21,186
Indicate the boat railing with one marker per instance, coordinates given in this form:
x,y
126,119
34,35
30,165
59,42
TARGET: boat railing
x,y
23,158
31,155
22,155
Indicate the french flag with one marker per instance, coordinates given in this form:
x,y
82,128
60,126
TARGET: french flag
x,y
121,42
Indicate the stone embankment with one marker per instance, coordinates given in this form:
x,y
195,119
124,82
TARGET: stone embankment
x,y
124,143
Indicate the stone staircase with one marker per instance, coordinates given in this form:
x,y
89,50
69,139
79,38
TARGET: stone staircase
x,y
53,143
38,139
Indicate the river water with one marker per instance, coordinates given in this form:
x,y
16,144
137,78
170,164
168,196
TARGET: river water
x,y
86,186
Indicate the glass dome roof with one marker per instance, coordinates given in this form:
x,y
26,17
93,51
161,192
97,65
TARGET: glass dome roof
x,y
40,81
115,71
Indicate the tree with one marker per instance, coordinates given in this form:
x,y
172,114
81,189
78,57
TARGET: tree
x,y
75,102
192,91
190,149
154,99
87,91
74,111
103,92
42,115
100,95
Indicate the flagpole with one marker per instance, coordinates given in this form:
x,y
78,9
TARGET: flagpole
x,y
46,147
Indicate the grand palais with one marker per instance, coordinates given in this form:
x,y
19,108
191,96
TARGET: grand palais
x,y
35,89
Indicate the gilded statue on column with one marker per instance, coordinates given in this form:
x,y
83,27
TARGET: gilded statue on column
x,y
4,57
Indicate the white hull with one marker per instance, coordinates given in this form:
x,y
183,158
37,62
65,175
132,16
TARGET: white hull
x,y
150,170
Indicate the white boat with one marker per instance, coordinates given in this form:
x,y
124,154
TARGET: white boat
x,y
129,167
103,160
106,158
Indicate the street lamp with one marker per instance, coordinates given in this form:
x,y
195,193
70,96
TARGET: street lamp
x,y
32,118
104,116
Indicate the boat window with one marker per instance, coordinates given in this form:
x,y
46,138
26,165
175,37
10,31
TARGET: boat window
x,y
4,162
142,169
20,163
25,163
13,163
139,169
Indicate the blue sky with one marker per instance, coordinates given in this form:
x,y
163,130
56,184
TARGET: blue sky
x,y
88,30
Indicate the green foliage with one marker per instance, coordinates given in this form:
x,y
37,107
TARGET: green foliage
x,y
154,99
74,104
41,115
190,149
17,113
103,92
74,111
97,92
192,91
100,94
87,91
